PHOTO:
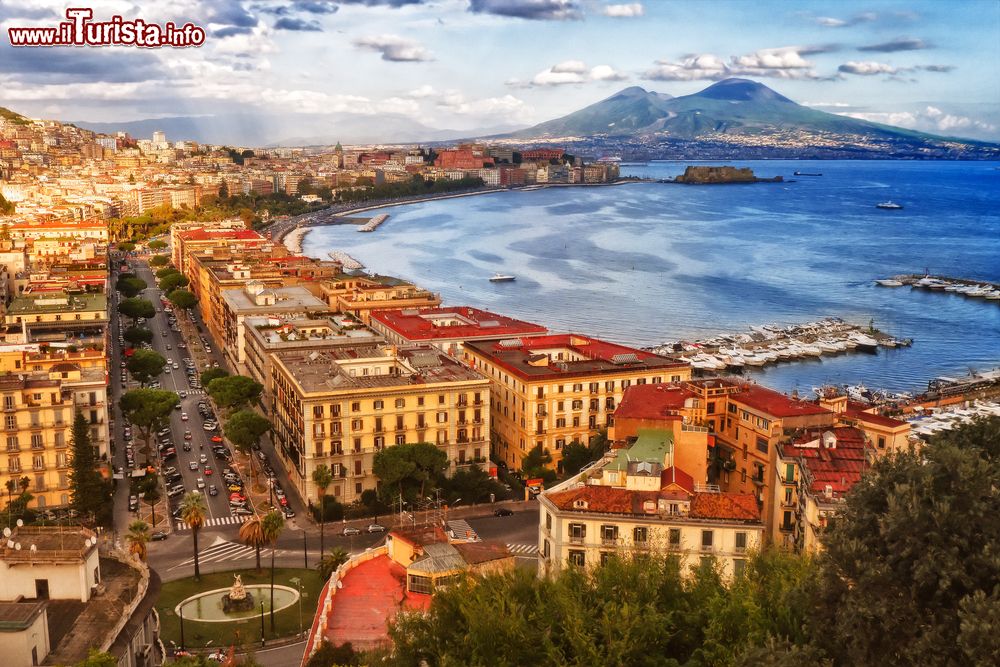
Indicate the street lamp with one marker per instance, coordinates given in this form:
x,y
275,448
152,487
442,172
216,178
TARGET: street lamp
x,y
298,584
262,623
182,627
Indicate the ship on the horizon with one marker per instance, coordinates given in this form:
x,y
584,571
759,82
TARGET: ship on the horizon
x,y
502,278
891,205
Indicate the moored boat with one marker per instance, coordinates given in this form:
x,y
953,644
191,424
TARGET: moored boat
x,y
502,278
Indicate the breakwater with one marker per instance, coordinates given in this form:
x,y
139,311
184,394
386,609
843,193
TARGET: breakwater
x,y
979,289
373,223
348,262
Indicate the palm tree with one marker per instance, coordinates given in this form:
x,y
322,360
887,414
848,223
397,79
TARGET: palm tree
x,y
331,561
252,534
271,526
322,477
193,512
137,537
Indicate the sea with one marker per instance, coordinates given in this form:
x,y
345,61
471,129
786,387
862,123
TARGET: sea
x,y
644,263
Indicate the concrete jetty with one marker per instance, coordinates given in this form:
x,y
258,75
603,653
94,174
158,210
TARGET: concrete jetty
x,y
348,262
373,224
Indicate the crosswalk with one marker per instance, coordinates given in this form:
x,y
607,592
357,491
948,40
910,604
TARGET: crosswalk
x,y
462,530
194,392
523,549
209,523
224,550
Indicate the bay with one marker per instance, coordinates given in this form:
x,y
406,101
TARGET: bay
x,y
644,263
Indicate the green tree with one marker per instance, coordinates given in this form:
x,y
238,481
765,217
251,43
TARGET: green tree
x,y
147,410
6,207
330,561
172,282
157,244
233,392
393,467
223,191
193,511
149,487
159,260
166,272
126,246
322,478
183,299
329,655
430,461
97,658
271,525
473,485
135,336
575,455
212,374
144,365
252,534
130,286
88,491
137,538
915,546
536,464
245,429
136,308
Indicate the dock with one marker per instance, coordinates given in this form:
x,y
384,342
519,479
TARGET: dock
x,y
373,223
769,344
348,262
977,289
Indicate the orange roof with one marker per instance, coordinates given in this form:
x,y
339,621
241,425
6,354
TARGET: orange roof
x,y
653,401
859,411
839,467
415,324
728,506
775,403
220,235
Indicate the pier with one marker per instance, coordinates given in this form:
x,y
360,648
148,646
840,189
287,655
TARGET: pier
x,y
769,344
373,223
348,262
979,289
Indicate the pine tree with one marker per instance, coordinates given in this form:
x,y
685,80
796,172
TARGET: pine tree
x,y
88,489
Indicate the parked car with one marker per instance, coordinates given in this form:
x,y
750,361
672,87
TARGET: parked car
x,y
158,535
502,511
213,490
288,513
240,511
200,483
350,530
376,528
184,416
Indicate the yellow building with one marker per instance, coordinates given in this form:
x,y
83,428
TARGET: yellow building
x,y
637,500
39,409
360,295
340,405
550,391
78,318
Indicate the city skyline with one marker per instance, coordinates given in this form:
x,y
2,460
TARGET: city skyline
x,y
499,64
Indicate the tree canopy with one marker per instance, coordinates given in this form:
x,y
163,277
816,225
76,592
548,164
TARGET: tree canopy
x,y
136,335
212,374
172,282
167,271
536,463
145,365
89,492
157,244
183,299
245,429
233,391
129,285
136,308
147,409
159,260
408,469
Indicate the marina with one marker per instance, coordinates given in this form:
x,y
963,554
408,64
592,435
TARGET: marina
x,y
932,421
771,343
963,286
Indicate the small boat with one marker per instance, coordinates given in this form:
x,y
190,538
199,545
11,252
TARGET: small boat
x,y
502,278
892,206
865,342
803,173
889,282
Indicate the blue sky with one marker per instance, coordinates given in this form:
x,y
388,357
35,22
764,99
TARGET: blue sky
x,y
469,64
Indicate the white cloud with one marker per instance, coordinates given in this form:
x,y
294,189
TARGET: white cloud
x,y
422,92
867,68
506,107
928,119
625,11
394,48
570,72
399,105
781,63
827,105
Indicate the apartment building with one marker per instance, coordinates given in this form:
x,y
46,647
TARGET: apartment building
x,y
78,318
549,391
340,405
637,500
38,413
187,240
360,295
448,328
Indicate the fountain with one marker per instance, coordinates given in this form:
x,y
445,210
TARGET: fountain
x,y
237,599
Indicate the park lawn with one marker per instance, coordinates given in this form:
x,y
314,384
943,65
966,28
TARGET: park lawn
x,y
245,631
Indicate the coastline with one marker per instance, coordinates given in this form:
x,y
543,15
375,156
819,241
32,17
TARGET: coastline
x,y
298,230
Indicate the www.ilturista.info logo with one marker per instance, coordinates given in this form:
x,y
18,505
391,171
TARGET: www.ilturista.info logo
x,y
79,30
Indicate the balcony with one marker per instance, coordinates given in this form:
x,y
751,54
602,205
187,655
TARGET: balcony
x,y
786,527
609,541
576,539
542,412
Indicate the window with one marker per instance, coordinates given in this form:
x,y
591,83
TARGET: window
x,y
577,532
577,405
317,412
577,557
400,403
710,408
442,417
36,441
640,534
546,549
609,534
674,537
12,443
606,556
881,442
400,439
357,467
420,401
440,399
38,463
789,472
356,406
419,584
9,402
378,405
357,424
548,521
741,542
762,445
707,538
739,567
379,443
609,403
11,422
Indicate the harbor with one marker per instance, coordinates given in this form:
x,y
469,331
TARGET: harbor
x,y
771,343
978,289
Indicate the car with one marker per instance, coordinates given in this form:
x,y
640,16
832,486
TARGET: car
x,y
193,465
182,394
163,333
213,490
175,366
163,431
184,416
187,435
133,503
177,406
203,458
182,346
169,471
376,528
157,536
174,492
200,483
176,513
173,479
208,470
187,446
502,511
350,530
210,426
216,438
154,385
240,511
235,488
166,369
171,455
288,513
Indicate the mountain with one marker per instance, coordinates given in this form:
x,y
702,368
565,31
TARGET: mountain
x,y
746,116
12,116
259,129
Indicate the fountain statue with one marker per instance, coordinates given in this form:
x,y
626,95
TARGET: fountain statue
x,y
237,599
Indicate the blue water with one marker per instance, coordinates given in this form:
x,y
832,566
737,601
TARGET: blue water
x,y
646,263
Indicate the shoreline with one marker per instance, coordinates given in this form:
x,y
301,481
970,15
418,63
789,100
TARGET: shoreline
x,y
305,227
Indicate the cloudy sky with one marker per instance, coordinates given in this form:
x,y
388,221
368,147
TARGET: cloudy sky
x,y
468,64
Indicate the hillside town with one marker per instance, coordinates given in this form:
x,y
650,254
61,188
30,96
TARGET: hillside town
x,y
301,390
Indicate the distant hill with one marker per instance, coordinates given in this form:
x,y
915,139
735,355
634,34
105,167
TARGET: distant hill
x,y
7,114
740,112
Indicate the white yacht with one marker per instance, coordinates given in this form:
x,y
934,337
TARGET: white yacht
x,y
502,278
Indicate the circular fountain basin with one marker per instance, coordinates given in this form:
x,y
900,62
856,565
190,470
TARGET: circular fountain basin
x,y
207,606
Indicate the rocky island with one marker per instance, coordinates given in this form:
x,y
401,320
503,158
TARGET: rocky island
x,y
719,175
